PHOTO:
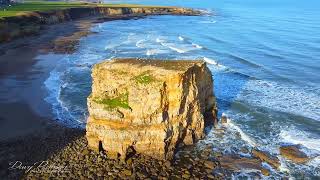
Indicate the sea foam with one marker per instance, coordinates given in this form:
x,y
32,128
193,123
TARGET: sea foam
x,y
294,136
140,44
285,98
244,136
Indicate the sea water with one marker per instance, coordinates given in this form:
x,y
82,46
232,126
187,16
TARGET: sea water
x,y
265,60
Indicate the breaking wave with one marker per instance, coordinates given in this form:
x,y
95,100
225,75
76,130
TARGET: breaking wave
x,y
294,136
285,98
243,135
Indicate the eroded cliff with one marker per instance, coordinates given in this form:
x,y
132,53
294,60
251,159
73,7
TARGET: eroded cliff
x,y
149,106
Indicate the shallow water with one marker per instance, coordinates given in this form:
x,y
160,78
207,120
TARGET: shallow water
x,y
264,57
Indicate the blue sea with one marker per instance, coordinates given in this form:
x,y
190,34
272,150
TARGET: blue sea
x,y
265,60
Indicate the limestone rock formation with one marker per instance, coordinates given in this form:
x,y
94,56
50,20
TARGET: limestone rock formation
x,y
151,106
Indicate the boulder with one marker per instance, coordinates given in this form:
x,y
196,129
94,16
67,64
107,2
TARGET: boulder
x,y
266,157
293,153
237,163
151,106
224,119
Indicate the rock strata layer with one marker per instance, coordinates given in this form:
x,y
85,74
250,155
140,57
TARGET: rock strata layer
x,y
149,106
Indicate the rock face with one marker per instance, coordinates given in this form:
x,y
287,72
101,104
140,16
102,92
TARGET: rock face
x,y
293,153
151,106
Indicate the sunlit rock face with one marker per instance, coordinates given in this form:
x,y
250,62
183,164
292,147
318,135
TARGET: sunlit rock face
x,y
151,106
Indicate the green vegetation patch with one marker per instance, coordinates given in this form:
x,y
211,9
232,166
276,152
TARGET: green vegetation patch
x,y
26,7
32,6
144,78
120,72
111,103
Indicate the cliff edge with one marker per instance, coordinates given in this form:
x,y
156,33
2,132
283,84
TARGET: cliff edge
x,y
31,23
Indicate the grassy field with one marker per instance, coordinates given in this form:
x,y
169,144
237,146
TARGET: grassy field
x,y
31,6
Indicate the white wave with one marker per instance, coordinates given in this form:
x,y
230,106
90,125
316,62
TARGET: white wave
x,y
285,98
197,46
315,162
244,136
205,11
224,114
111,46
210,61
295,136
213,62
139,43
188,41
151,52
283,166
177,49
168,45
52,84
244,174
159,40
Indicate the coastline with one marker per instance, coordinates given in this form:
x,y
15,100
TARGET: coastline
x,y
30,132
39,137
31,23
42,139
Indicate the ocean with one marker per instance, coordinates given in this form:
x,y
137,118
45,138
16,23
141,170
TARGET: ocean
x,y
265,60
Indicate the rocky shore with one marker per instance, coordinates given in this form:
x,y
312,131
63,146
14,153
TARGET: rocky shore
x,y
64,153
77,161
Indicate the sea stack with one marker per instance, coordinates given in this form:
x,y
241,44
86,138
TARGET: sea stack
x,y
149,106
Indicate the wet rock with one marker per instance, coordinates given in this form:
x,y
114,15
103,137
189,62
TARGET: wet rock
x,y
151,106
144,166
265,172
127,172
266,157
129,161
209,164
186,175
244,150
140,175
224,119
236,163
293,153
208,171
68,45
167,164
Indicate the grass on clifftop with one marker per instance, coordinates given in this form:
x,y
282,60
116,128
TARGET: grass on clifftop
x,y
145,78
32,6
116,102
